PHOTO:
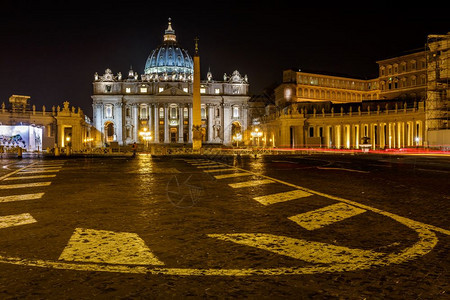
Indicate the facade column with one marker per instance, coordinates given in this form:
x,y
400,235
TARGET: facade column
x,y
118,121
166,123
190,123
226,124
135,122
180,124
210,122
156,123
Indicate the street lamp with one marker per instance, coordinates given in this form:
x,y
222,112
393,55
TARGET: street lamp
x,y
237,138
256,134
145,135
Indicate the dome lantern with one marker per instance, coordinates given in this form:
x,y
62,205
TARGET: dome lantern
x,y
169,62
170,33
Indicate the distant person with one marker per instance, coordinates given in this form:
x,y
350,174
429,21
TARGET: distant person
x,y
134,148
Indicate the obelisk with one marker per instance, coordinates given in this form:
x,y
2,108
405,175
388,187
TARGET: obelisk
x,y
196,109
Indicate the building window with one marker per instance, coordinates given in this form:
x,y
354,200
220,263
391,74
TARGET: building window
x,y
107,88
173,112
185,112
143,90
144,112
235,112
161,89
128,90
202,91
311,131
185,90
108,111
217,91
128,112
203,112
161,113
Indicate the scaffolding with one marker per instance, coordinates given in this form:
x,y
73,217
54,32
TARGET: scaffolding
x,y
438,93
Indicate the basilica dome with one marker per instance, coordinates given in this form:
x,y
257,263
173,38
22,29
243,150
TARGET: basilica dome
x,y
169,62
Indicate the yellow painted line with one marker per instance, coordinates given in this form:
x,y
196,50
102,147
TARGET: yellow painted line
x,y
16,220
101,246
164,170
427,240
218,170
282,197
325,216
43,168
24,185
250,183
29,177
38,171
22,197
350,202
203,163
210,166
313,252
232,175
16,171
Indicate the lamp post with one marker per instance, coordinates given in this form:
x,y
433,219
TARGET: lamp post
x,y
237,138
146,135
256,134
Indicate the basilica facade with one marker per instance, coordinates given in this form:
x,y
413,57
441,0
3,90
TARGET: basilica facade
x,y
160,101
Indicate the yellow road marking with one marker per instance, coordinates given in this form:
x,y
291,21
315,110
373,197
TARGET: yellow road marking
x,y
218,170
282,197
24,185
313,252
101,246
232,175
210,166
22,197
350,202
203,163
250,183
327,215
38,171
164,170
427,240
44,167
29,177
16,220
16,171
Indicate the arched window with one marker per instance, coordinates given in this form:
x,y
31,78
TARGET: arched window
x,y
173,112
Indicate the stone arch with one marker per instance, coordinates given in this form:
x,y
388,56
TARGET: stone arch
x,y
109,131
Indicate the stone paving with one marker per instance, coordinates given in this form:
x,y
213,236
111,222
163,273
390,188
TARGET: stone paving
x,y
317,227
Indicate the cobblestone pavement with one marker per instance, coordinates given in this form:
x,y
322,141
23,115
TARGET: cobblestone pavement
x,y
299,226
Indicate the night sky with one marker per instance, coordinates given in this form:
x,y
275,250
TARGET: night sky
x,y
50,50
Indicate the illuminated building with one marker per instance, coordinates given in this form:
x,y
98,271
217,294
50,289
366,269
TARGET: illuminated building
x,y
161,101
33,130
392,111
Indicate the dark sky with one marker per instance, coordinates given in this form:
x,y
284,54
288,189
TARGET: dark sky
x,y
50,50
